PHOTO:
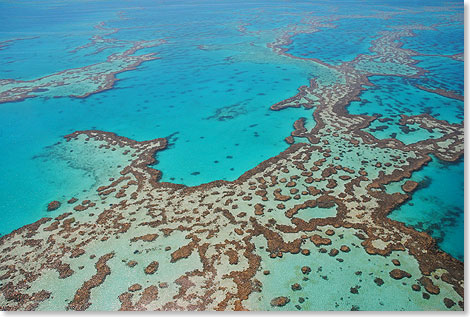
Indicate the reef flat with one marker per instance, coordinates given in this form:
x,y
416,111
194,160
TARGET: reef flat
x,y
306,229
80,82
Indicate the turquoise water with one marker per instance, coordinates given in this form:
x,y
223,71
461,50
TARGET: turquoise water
x,y
186,100
443,73
391,97
353,271
437,207
330,45
445,40
213,103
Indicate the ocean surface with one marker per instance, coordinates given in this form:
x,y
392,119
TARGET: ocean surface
x,y
209,91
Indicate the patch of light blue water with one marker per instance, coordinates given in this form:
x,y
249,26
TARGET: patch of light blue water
x,y
437,207
216,110
394,96
49,34
353,276
219,112
218,116
316,212
34,58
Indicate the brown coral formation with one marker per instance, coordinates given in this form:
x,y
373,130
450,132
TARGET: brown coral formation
x,y
147,237
82,296
318,240
409,186
429,285
399,274
152,267
306,269
280,301
53,205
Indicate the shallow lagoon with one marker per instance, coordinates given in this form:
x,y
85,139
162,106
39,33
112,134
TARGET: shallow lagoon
x,y
390,97
429,206
437,207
